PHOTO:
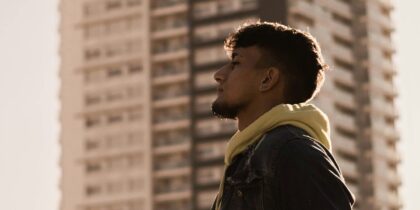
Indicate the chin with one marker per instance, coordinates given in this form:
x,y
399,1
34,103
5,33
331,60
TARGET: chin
x,y
223,110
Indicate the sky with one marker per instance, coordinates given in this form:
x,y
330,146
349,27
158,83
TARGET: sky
x,y
29,106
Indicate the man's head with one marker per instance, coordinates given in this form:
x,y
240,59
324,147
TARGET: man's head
x,y
270,63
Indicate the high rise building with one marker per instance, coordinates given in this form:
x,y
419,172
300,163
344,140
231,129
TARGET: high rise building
x,y
137,131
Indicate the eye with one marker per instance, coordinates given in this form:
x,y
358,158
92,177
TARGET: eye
x,y
234,63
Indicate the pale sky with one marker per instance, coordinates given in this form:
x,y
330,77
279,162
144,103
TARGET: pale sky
x,y
29,82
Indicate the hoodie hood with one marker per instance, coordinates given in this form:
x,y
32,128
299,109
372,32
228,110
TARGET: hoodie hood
x,y
306,116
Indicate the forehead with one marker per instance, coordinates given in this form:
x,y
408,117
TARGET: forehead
x,y
251,54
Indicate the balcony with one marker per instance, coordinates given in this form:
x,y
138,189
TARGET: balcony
x,y
171,116
210,9
344,99
171,125
348,168
393,199
160,4
387,131
388,4
170,70
344,121
171,164
173,196
303,8
393,156
383,85
343,76
343,53
171,78
170,92
342,30
382,42
383,20
170,102
339,7
388,66
168,55
167,7
174,172
170,32
174,148
171,138
344,144
170,188
385,108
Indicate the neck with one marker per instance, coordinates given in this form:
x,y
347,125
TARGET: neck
x,y
251,113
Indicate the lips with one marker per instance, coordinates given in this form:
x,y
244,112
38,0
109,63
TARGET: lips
x,y
219,90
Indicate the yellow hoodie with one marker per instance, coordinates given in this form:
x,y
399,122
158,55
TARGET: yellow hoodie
x,y
305,116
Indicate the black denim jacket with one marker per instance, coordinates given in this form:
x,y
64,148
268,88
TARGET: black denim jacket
x,y
286,170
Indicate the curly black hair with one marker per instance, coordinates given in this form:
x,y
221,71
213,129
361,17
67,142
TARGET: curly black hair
x,y
294,52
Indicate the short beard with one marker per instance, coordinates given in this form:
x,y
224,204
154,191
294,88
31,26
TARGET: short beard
x,y
224,111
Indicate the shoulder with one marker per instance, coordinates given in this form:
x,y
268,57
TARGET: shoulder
x,y
294,146
287,142
285,135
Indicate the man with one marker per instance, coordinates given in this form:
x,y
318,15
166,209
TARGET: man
x,y
280,157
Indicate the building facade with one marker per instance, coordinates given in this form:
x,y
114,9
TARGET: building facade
x,y
137,130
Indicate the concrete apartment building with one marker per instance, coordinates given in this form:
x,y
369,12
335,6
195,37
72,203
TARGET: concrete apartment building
x,y
137,131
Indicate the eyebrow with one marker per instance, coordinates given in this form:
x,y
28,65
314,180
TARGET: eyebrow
x,y
234,54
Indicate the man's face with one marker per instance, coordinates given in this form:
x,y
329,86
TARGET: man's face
x,y
238,82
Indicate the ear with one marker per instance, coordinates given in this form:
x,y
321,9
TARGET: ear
x,y
269,79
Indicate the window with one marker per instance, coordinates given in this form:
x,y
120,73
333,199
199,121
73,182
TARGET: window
x,y
115,187
343,64
93,190
115,118
341,19
92,54
92,31
208,175
92,76
114,95
135,160
113,4
210,55
135,115
213,150
343,42
205,199
92,167
213,126
92,99
113,72
92,122
92,9
205,9
116,163
134,23
203,103
131,3
115,49
135,68
92,144
249,4
134,138
117,26
134,91
205,80
135,184
134,46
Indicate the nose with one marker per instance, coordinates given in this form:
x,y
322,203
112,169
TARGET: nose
x,y
219,75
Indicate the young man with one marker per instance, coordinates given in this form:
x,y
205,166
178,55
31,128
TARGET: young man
x,y
280,157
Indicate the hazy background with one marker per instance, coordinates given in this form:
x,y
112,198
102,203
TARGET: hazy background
x,y
29,106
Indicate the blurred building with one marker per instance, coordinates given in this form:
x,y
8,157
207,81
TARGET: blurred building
x,y
137,131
